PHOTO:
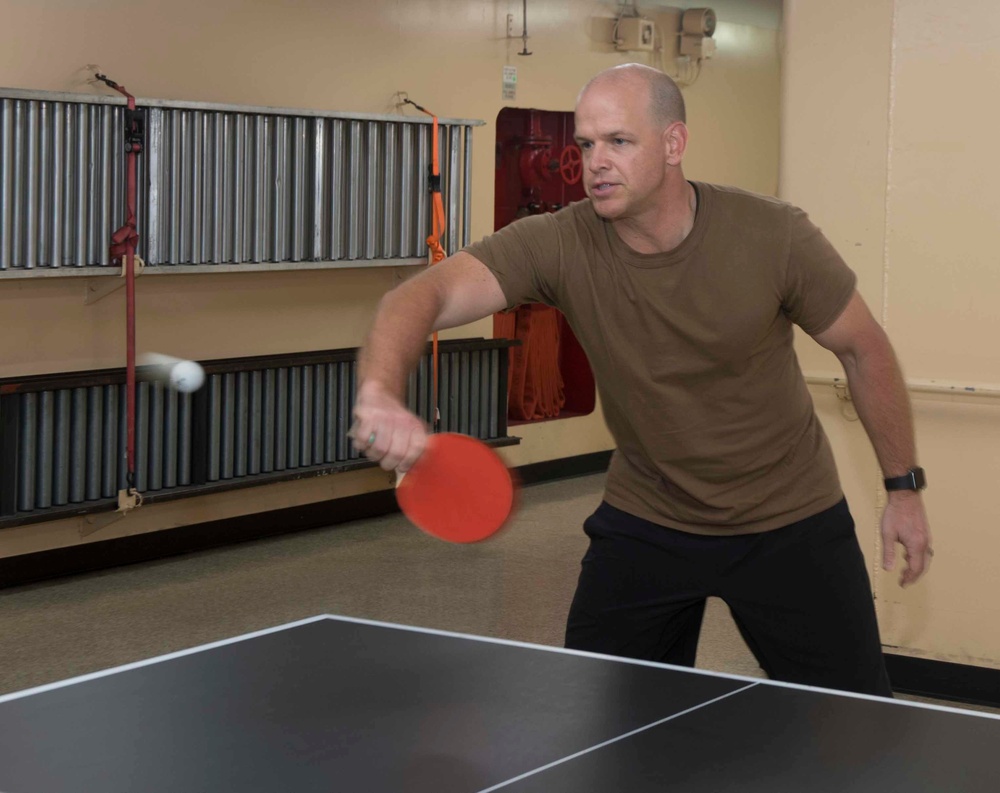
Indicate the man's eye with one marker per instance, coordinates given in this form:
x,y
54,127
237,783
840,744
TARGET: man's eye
x,y
586,146
620,141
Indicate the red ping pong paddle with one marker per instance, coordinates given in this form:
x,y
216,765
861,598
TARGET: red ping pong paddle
x,y
459,490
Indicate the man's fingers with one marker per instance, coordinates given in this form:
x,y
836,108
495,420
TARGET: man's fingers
x,y
905,522
917,562
395,452
888,555
385,431
418,442
404,450
372,442
390,445
363,436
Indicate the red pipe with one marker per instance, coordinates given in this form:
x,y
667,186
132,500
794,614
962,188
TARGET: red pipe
x,y
130,311
123,245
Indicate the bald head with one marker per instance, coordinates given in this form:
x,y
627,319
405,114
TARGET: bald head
x,y
666,104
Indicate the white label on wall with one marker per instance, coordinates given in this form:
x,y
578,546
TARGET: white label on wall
x,y
510,82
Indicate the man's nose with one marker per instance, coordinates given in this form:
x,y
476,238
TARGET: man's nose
x,y
597,159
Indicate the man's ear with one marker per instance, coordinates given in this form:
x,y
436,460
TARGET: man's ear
x,y
675,138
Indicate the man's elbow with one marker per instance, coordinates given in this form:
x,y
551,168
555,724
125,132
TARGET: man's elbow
x,y
418,298
870,350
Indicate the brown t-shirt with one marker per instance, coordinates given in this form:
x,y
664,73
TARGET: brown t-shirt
x,y
692,353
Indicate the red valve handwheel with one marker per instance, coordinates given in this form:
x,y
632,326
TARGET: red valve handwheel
x,y
571,164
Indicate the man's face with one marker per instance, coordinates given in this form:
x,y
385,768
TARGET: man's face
x,y
624,154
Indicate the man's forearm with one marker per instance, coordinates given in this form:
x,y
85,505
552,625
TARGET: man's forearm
x,y
404,320
454,292
883,404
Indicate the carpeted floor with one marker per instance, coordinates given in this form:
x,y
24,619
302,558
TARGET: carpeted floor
x,y
518,585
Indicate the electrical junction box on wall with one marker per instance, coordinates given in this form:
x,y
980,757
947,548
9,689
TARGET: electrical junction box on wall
x,y
697,46
635,34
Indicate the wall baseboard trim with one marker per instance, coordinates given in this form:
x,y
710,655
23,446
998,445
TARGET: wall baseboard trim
x,y
922,677
89,557
565,468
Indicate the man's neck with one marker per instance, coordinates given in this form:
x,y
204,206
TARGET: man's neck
x,y
664,227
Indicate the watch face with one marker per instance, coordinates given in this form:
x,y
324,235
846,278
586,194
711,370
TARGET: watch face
x,y
919,479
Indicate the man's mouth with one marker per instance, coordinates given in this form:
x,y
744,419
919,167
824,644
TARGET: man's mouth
x,y
602,188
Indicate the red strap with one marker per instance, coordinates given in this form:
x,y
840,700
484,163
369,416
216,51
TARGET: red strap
x,y
126,237
123,243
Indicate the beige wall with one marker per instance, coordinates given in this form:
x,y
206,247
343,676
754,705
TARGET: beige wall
x,y
346,56
889,140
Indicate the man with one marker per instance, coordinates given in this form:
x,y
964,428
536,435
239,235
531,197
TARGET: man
x,y
723,483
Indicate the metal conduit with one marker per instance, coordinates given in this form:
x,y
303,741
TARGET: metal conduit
x,y
222,184
921,386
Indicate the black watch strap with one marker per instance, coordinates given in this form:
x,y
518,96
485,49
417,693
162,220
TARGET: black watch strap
x,y
914,479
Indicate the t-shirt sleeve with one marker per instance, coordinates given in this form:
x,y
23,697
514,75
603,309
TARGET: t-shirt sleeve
x,y
818,283
524,258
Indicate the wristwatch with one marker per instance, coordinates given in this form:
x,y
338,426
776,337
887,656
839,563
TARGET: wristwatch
x,y
913,479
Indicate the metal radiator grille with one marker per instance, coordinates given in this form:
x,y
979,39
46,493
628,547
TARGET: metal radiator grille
x,y
65,446
222,184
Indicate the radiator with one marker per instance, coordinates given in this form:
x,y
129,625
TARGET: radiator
x,y
256,420
222,184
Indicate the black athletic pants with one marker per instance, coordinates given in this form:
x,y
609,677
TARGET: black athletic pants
x,y
800,596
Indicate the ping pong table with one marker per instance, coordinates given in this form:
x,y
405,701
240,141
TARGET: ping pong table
x,y
340,704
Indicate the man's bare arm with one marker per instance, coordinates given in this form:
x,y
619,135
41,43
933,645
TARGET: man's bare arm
x,y
456,291
883,404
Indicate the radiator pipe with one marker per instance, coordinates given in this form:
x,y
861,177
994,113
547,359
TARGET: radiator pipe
x,y
524,29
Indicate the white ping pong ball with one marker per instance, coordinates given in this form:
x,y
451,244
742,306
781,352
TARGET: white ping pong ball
x,y
187,377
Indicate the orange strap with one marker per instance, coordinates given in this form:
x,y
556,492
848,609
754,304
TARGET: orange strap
x,y
435,250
